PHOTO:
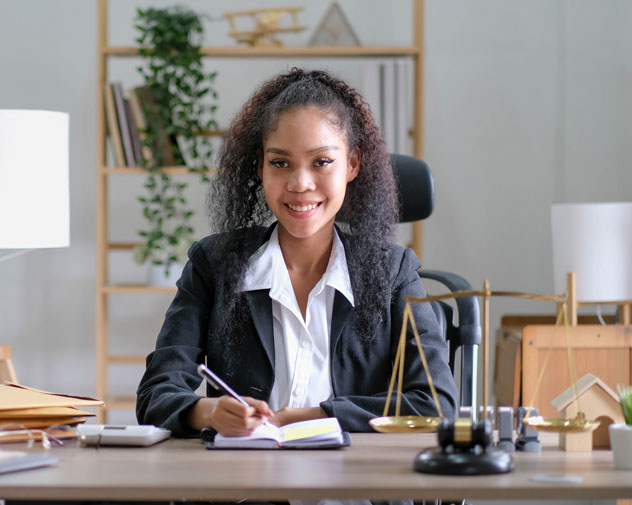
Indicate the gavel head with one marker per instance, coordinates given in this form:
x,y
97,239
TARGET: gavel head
x,y
462,434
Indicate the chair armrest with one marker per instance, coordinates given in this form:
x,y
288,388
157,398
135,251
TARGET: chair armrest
x,y
466,336
469,328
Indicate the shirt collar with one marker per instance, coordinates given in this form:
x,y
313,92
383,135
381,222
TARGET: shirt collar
x,y
266,269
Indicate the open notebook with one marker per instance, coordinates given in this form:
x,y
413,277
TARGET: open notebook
x,y
313,434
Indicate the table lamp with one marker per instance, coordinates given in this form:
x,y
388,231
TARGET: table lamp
x,y
34,194
592,255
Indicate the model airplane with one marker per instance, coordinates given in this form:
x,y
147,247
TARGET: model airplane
x,y
267,25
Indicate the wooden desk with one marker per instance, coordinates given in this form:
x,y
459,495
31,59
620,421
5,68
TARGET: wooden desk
x,y
377,466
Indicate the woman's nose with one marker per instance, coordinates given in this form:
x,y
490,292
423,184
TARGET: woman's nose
x,y
300,181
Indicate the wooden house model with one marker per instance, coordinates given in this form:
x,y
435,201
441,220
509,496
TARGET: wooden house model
x,y
598,402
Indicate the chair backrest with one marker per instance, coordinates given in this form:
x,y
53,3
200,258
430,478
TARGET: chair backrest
x,y
416,189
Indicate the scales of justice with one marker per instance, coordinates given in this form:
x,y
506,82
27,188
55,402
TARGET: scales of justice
x,y
466,444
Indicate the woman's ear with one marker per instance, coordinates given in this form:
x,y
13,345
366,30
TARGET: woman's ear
x,y
353,165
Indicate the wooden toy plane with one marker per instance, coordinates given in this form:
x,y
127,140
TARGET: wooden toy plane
x,y
268,25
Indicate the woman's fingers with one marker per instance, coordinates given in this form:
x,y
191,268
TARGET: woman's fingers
x,y
232,418
261,407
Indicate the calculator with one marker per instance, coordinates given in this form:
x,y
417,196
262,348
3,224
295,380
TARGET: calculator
x,y
112,434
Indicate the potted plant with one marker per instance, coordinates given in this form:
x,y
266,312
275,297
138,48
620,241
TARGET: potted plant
x,y
621,434
180,118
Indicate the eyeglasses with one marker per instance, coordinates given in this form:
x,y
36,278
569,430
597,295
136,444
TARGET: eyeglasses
x,y
19,433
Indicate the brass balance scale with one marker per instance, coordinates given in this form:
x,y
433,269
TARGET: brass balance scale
x,y
465,444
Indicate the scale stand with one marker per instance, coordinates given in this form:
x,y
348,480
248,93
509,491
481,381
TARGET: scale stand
x,y
465,448
465,445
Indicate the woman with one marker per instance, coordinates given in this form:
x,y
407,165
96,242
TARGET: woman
x,y
297,301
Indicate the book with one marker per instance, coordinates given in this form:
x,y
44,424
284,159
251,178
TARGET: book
x,y
165,149
312,434
371,87
133,131
141,127
404,98
387,91
123,124
113,128
387,88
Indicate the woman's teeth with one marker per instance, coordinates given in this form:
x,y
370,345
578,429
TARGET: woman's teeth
x,y
302,208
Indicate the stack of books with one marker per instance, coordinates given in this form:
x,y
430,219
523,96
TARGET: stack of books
x,y
129,119
387,86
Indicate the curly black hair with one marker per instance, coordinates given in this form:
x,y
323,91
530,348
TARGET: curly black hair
x,y
370,209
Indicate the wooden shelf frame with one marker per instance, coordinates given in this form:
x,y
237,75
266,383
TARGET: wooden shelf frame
x,y
287,51
135,288
143,171
120,401
104,246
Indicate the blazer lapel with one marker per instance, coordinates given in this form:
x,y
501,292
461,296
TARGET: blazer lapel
x,y
261,311
342,308
260,304
339,318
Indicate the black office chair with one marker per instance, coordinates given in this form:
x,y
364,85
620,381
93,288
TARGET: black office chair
x,y
416,187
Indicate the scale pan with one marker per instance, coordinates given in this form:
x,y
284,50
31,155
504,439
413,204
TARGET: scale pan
x,y
560,425
405,424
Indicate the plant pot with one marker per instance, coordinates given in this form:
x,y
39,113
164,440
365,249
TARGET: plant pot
x,y
621,443
160,277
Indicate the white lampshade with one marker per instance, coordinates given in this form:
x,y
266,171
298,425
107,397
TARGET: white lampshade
x,y
594,240
34,203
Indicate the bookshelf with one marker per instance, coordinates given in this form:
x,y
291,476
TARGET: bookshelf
x,y
104,246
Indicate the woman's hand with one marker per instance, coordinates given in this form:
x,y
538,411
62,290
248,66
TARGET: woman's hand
x,y
229,417
289,415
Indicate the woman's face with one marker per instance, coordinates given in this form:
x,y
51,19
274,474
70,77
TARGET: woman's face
x,y
305,170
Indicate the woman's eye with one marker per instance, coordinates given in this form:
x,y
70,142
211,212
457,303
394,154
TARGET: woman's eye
x,y
323,162
278,163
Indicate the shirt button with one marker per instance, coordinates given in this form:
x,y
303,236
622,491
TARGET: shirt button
x,y
305,344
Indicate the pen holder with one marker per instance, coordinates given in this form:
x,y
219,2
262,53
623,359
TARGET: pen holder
x,y
621,443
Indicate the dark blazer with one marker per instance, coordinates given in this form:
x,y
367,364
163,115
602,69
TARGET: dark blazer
x,y
360,371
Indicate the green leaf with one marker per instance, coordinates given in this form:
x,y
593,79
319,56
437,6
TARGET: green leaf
x,y
171,41
625,395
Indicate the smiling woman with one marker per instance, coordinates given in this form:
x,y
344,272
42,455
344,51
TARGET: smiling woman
x,y
369,208
298,300
305,170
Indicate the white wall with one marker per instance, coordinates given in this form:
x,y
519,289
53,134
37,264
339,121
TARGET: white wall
x,y
526,103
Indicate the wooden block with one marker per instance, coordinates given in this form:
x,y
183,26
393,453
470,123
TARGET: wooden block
x,y
576,442
507,368
601,350
519,321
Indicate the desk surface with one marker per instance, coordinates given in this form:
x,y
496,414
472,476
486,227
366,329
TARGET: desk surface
x,y
377,466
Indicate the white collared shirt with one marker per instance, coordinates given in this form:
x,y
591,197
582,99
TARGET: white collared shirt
x,y
301,346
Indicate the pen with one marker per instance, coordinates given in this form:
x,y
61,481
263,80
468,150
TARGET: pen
x,y
219,384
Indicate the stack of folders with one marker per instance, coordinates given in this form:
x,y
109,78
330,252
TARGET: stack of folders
x,y
23,409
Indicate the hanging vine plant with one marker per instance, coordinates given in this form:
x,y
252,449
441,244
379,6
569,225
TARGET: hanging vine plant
x,y
179,103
